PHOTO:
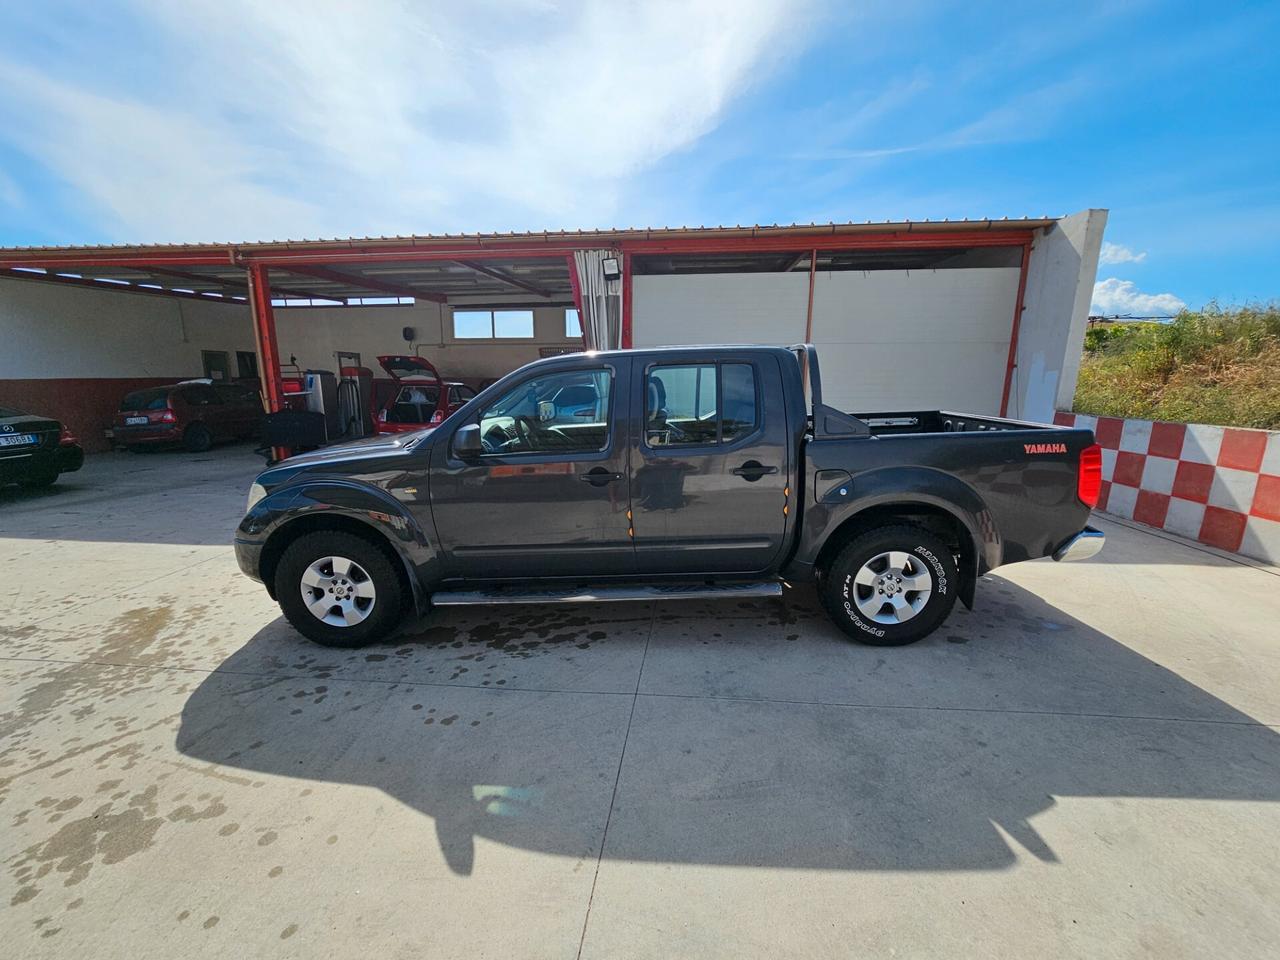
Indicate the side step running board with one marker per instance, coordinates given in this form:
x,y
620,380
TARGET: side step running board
x,y
595,594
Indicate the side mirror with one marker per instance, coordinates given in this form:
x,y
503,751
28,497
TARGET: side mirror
x,y
546,411
466,442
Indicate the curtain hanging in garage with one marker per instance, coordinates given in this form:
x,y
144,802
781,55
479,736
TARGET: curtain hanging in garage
x,y
601,300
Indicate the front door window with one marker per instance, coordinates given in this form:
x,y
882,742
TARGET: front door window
x,y
559,413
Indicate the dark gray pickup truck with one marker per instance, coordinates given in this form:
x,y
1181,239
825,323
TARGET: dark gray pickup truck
x,y
667,473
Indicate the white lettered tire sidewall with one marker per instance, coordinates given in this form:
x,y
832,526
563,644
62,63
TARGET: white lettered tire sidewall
x,y
837,587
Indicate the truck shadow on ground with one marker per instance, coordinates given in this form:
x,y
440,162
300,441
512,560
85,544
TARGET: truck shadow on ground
x,y
933,757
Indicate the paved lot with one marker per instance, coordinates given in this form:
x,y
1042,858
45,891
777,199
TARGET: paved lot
x,y
1086,766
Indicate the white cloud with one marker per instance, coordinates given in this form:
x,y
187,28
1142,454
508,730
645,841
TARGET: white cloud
x,y
1116,253
296,118
1112,296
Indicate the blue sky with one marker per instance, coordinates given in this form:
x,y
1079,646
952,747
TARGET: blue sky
x,y
151,121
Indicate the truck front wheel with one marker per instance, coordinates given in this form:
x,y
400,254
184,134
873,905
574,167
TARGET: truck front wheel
x,y
891,586
339,590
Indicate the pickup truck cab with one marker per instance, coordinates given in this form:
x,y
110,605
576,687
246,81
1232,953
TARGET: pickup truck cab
x,y
667,473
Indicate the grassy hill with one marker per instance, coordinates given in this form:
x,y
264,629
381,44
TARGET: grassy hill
x,y
1211,366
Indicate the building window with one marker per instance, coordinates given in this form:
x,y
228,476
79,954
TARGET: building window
x,y
572,325
493,324
246,364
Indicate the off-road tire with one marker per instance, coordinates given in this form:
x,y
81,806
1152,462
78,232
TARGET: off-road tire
x,y
391,592
836,586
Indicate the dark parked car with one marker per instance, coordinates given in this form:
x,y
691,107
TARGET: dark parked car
x,y
196,414
34,450
700,472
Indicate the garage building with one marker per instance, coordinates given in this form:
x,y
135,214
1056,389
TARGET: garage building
x,y
986,316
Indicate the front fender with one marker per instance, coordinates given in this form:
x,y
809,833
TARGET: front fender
x,y
276,519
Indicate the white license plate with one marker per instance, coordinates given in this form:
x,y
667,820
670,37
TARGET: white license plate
x,y
17,439
135,421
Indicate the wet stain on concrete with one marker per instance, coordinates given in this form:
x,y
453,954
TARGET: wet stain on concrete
x,y
288,931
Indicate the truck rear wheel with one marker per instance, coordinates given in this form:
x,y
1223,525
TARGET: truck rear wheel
x,y
339,590
890,586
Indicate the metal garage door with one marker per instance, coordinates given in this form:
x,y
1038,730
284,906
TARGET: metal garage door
x,y
888,339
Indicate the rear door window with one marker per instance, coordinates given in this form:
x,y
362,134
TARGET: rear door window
x,y
201,395
700,404
234,393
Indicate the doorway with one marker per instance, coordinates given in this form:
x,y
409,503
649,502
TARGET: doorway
x,y
216,366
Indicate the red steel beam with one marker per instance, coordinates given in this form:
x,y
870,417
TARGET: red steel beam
x,y
1017,324
79,258
118,286
626,301
549,247
381,286
796,243
241,288
264,331
801,244
504,277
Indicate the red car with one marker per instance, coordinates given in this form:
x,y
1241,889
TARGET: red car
x,y
416,396
195,414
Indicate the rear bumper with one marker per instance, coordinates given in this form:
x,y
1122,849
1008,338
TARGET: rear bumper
x,y
63,458
151,433
70,457
1082,546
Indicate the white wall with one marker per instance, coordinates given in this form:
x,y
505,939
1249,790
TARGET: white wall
x,y
719,308
54,332
1060,278
50,331
912,340
887,339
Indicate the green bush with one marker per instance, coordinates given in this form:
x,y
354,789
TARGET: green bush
x,y
1215,365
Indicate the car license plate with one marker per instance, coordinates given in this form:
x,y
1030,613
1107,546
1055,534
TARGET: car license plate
x,y
135,421
17,439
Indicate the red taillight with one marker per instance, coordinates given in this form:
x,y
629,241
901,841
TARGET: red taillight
x,y
164,416
66,437
1089,477
437,417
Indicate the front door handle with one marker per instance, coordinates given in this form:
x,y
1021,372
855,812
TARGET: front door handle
x,y
599,477
753,470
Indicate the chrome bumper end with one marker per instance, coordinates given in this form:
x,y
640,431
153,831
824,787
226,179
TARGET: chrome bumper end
x,y
1082,546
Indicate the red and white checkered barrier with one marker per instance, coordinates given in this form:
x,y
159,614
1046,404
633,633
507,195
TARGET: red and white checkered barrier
x,y
1218,485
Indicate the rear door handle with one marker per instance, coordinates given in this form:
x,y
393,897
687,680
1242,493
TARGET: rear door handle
x,y
599,477
753,470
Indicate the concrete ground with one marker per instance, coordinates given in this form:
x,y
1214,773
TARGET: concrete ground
x,y
1086,766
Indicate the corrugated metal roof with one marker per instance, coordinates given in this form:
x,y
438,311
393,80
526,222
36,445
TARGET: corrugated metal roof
x,y
538,237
